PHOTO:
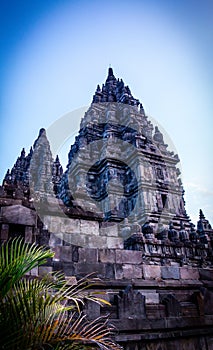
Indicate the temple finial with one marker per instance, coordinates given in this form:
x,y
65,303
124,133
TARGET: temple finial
x,y
110,72
201,215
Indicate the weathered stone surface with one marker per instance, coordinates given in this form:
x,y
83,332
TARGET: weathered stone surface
x,y
127,271
75,254
93,241
131,304
106,255
188,273
114,242
56,239
109,271
53,223
83,269
66,254
155,311
151,297
173,307
70,225
57,251
57,224
205,301
4,231
119,271
128,256
44,270
28,234
170,272
34,271
109,230
151,272
93,310
19,215
132,271
88,227
75,239
206,274
88,255
69,269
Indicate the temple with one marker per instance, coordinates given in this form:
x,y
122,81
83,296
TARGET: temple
x,y
119,211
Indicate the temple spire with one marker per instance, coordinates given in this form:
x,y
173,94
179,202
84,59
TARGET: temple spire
x,y
110,72
201,215
114,90
57,172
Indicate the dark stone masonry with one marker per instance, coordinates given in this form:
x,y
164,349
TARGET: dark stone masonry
x,y
118,211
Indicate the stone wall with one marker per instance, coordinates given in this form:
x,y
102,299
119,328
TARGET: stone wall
x,y
153,307
158,301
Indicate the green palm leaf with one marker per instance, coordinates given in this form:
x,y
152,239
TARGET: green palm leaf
x,y
44,313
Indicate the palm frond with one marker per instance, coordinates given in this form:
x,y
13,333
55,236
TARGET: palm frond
x,y
16,259
44,313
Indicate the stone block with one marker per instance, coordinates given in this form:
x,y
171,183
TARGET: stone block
x,y
57,251
109,230
109,271
93,310
119,272
44,237
76,239
75,253
137,271
19,215
131,271
172,305
69,269
47,221
4,232
131,305
89,255
151,297
188,273
44,270
89,227
127,271
70,226
66,254
57,265
56,239
151,272
106,255
54,224
28,234
114,242
96,242
34,271
83,269
128,256
71,280
206,274
170,272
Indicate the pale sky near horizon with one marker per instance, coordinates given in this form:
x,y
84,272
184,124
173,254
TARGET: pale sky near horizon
x,y
54,53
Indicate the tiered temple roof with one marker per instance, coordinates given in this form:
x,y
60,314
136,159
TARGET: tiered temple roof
x,y
145,177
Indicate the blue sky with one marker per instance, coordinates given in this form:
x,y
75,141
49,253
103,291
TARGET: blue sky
x,y
54,53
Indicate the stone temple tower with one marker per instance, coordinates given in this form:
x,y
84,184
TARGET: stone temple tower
x,y
118,211
120,165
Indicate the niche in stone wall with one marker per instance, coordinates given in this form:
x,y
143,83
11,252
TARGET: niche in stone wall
x,y
164,200
16,230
